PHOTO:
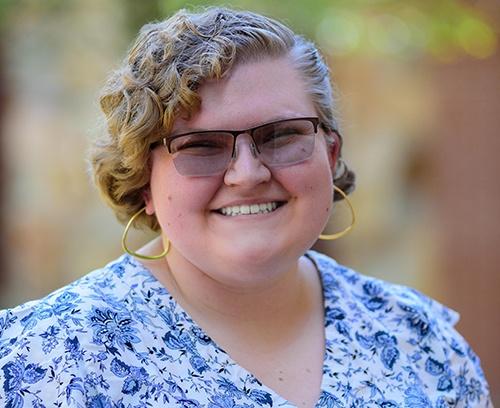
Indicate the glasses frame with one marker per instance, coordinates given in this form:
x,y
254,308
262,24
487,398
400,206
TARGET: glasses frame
x,y
167,141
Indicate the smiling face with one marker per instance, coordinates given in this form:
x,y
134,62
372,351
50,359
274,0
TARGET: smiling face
x,y
251,217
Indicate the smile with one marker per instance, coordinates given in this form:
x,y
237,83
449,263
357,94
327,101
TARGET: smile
x,y
251,209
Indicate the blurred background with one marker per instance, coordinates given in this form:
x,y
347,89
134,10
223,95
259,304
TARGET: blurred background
x,y
418,83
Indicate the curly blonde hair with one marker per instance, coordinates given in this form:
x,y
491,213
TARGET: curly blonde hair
x,y
159,79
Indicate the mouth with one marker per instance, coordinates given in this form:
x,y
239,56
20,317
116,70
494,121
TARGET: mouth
x,y
250,209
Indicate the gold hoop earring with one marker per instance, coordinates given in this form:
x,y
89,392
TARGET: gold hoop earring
x,y
329,237
166,242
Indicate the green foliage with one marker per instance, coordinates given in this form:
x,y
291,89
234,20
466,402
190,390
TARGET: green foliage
x,y
5,7
445,29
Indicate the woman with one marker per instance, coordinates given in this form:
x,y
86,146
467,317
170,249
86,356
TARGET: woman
x,y
222,138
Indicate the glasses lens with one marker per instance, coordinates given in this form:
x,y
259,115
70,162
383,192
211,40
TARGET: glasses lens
x,y
209,153
202,154
286,142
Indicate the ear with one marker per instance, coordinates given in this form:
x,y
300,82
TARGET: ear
x,y
148,200
333,148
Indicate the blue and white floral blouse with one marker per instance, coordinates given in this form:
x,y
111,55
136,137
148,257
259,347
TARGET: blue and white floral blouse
x,y
116,338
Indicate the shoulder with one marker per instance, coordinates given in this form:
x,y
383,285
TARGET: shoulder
x,y
67,304
404,332
45,343
379,295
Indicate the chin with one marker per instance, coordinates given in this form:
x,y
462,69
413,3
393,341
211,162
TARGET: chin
x,y
257,256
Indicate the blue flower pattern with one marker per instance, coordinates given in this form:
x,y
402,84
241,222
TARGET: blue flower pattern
x,y
116,338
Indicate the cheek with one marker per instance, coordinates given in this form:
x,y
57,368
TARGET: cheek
x,y
317,176
319,186
178,201
312,183
168,188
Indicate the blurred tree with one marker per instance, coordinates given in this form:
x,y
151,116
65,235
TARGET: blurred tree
x,y
446,29
139,13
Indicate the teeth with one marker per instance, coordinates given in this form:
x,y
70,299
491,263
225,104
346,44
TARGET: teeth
x,y
249,209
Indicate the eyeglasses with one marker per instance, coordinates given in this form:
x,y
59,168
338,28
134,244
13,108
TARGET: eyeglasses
x,y
276,144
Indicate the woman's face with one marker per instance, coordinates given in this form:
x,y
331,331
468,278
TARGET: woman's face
x,y
188,208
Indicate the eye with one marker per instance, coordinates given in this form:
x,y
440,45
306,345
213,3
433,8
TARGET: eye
x,y
202,144
279,136
199,144
284,132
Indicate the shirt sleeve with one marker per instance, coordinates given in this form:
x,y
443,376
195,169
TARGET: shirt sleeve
x,y
461,367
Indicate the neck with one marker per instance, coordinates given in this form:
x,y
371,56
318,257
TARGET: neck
x,y
282,297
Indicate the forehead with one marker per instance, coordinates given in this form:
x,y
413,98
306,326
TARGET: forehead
x,y
253,93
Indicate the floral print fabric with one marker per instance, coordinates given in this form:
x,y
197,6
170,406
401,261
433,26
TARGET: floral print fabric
x,y
116,338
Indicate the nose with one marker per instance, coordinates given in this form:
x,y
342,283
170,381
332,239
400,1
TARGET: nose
x,y
246,168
